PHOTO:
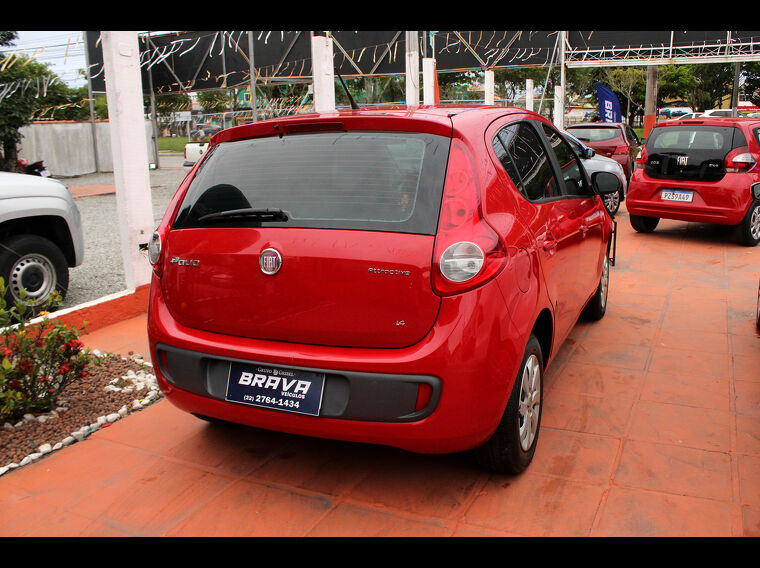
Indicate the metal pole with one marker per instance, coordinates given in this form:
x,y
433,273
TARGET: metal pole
x,y
253,76
735,93
153,112
89,98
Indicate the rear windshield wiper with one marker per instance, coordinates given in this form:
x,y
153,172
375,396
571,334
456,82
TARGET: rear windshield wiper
x,y
277,215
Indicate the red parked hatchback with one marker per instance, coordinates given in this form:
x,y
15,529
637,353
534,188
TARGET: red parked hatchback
x,y
614,140
392,276
703,170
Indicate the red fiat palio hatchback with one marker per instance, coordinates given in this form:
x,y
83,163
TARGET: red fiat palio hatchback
x,y
393,276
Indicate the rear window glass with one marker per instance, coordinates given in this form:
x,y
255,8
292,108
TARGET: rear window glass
x,y
385,181
718,139
595,134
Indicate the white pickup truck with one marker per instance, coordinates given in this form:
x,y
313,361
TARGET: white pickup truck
x,y
199,142
193,152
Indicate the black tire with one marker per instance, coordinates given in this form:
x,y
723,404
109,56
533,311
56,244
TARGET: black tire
x,y
643,224
505,452
612,201
597,306
749,228
35,264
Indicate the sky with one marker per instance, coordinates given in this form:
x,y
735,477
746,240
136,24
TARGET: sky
x,y
63,50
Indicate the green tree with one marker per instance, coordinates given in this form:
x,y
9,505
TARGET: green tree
x,y
212,101
20,82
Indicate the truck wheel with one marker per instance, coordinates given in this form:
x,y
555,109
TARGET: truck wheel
x,y
510,450
643,224
34,264
749,229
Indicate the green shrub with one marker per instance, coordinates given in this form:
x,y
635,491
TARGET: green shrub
x,y
37,361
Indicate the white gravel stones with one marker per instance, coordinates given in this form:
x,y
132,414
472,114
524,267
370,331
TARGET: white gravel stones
x,y
143,383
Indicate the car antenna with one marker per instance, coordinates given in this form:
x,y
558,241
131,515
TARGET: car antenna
x,y
350,98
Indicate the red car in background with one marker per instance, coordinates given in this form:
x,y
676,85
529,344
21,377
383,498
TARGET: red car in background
x,y
704,170
394,276
614,140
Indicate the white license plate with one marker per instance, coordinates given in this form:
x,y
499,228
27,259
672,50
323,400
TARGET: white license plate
x,y
44,173
674,195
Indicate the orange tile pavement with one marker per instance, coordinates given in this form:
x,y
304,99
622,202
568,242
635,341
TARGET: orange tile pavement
x,y
651,427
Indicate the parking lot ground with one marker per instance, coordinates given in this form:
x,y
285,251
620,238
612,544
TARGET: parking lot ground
x,y
651,427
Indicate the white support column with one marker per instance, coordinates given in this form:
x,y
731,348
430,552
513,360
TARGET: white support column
x,y
412,69
489,85
559,107
324,74
121,59
428,80
529,94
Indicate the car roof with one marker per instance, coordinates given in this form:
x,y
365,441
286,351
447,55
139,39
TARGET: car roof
x,y
711,121
595,124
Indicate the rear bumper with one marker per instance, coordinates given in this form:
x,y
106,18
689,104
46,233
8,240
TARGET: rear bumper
x,y
725,202
469,359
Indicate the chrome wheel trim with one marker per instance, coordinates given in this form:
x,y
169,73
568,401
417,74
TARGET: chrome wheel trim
x,y
529,408
754,223
605,282
612,201
36,265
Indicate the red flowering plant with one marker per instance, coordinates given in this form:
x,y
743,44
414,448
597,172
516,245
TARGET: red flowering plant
x,y
37,361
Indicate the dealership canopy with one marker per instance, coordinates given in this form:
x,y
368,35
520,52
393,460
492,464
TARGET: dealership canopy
x,y
202,60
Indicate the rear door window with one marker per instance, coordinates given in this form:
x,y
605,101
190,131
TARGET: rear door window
x,y
384,181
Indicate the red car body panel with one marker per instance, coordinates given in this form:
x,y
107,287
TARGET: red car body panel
x,y
723,202
472,342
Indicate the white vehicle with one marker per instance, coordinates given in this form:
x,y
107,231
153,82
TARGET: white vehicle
x,y
689,115
199,140
718,112
40,237
193,152
595,163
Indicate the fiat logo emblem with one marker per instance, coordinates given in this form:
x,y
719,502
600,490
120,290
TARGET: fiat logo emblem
x,y
270,261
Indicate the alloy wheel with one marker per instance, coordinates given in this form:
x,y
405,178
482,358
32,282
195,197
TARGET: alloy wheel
x,y
605,281
754,223
529,407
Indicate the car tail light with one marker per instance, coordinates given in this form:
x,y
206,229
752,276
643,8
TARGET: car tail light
x,y
643,156
739,160
155,249
468,252
621,150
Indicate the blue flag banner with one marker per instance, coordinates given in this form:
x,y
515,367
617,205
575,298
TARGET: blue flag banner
x,y
609,106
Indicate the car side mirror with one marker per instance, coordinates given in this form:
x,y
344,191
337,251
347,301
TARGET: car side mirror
x,y
605,182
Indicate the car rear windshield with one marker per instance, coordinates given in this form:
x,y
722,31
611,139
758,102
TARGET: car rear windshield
x,y
383,181
595,133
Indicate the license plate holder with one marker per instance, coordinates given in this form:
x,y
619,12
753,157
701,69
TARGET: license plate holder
x,y
277,388
681,195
